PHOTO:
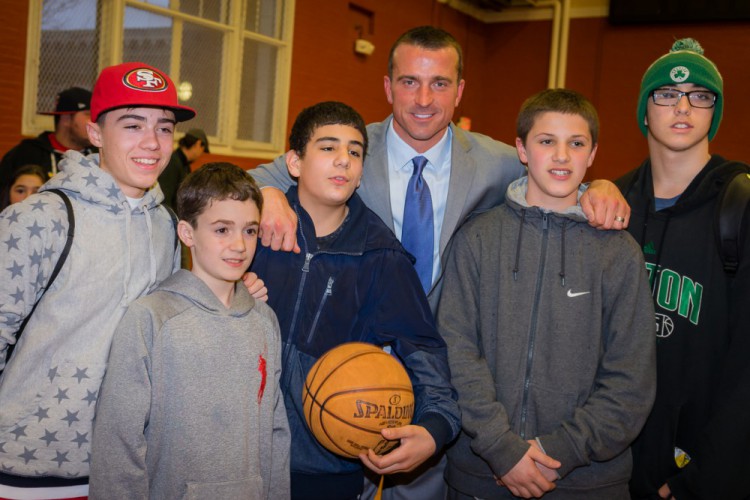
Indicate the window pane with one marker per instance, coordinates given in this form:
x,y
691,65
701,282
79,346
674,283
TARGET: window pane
x,y
201,68
69,49
257,92
215,10
147,38
264,17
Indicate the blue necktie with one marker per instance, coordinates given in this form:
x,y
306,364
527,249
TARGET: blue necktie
x,y
417,229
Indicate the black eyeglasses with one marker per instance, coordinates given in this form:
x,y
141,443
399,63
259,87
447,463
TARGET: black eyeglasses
x,y
696,98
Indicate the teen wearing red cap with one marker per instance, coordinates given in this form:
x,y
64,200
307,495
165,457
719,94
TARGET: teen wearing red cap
x,y
124,245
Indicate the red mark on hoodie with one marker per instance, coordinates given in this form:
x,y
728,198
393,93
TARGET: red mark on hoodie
x,y
262,370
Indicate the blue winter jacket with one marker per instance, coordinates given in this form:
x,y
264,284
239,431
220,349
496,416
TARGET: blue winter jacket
x,y
363,288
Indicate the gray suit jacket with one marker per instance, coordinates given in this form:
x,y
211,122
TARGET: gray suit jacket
x,y
481,170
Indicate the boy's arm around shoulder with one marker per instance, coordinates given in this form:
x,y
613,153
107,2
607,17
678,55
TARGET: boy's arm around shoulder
x,y
484,419
32,237
625,386
274,174
278,224
118,447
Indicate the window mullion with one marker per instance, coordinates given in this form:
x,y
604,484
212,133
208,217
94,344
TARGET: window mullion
x,y
232,64
31,122
111,26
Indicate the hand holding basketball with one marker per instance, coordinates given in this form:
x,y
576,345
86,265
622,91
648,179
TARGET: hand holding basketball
x,y
417,445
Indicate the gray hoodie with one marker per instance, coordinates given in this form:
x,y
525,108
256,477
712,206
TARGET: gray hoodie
x,y
191,405
49,387
550,332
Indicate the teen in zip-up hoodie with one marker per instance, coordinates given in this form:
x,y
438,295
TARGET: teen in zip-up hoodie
x,y
124,246
354,282
694,444
549,328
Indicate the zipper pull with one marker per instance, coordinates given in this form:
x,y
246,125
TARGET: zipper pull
x,y
306,265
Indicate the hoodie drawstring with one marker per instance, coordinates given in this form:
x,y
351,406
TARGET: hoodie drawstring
x,y
126,275
151,250
125,301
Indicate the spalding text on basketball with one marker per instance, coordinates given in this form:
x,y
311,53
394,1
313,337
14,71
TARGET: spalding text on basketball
x,y
365,409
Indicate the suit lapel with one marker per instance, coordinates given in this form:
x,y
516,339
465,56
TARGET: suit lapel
x,y
463,169
375,189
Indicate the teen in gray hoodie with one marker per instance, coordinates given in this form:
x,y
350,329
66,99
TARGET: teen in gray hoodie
x,y
191,406
549,328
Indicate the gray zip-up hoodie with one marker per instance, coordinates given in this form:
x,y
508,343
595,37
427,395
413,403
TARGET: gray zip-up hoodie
x,y
191,405
49,387
550,336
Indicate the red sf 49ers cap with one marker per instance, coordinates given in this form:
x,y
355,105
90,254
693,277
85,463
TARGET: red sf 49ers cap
x,y
136,85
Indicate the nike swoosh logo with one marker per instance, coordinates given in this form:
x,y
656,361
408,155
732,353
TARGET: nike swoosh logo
x,y
571,293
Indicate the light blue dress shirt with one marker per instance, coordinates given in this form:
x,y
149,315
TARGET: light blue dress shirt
x,y
437,174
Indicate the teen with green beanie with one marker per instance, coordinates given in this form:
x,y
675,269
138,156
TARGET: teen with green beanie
x,y
694,444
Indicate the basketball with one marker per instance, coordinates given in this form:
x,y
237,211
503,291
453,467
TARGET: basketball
x,y
351,393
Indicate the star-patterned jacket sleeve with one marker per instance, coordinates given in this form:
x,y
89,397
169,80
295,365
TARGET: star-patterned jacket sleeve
x,y
118,447
32,237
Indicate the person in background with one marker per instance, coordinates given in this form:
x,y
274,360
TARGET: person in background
x,y
72,113
190,147
26,181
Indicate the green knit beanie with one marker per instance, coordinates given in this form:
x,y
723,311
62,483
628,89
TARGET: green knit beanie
x,y
685,63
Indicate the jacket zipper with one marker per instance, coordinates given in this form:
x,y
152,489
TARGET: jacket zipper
x,y
327,293
533,327
298,302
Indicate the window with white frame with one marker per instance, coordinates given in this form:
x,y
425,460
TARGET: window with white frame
x,y
230,60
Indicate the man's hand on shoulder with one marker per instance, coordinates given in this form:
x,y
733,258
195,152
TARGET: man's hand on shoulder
x,y
417,445
278,222
604,206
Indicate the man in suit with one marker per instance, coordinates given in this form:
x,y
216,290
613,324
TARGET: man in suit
x,y
466,173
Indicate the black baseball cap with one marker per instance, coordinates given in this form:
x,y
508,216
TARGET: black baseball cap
x,y
199,134
71,101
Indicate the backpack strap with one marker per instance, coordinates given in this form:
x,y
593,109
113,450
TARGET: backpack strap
x,y
55,271
733,206
175,220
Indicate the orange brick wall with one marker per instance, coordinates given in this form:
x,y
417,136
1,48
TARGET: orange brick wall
x,y
12,63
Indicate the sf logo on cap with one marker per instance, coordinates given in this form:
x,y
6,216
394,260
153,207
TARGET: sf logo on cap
x,y
145,79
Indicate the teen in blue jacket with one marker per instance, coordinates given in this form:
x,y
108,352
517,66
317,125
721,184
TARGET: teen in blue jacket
x,y
356,283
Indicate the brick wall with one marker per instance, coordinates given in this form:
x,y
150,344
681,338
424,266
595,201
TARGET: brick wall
x,y
12,64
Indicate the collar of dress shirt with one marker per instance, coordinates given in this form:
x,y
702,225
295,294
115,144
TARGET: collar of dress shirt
x,y
401,153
